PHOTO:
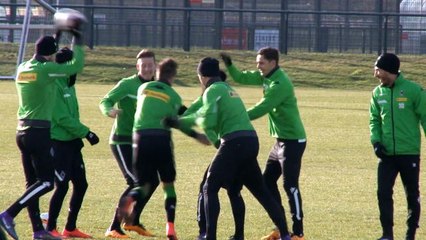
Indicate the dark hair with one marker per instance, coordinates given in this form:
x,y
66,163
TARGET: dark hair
x,y
208,67
167,69
145,53
269,53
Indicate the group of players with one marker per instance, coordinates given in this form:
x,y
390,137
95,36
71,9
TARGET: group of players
x,y
145,108
222,115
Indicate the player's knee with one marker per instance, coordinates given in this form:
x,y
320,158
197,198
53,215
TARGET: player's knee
x,y
169,191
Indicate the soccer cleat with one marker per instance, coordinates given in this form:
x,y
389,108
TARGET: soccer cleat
x,y
170,231
274,235
7,223
287,237
44,235
297,237
385,238
55,233
115,234
139,228
202,236
76,233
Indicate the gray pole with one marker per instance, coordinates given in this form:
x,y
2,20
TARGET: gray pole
x,y
24,33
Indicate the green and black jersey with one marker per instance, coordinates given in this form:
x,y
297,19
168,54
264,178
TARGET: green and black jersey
x,y
222,112
66,125
35,84
395,116
279,102
124,95
156,101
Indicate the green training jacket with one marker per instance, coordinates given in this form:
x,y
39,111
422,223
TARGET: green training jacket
x,y
395,115
66,125
279,102
124,95
222,112
156,101
35,84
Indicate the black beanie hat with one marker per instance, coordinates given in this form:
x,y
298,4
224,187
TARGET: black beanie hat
x,y
388,62
46,46
64,55
208,67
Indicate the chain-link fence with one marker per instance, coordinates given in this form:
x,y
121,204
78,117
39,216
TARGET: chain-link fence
x,y
321,26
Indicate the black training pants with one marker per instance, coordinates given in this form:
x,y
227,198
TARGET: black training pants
x,y
234,163
408,166
37,161
285,158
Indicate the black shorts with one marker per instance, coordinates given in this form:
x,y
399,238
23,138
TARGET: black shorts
x,y
68,160
152,156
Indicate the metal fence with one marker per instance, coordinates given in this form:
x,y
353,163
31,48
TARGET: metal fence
x,y
246,29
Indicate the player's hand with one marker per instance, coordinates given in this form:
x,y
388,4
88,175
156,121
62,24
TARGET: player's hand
x,y
379,150
92,138
114,112
202,138
182,110
171,122
226,59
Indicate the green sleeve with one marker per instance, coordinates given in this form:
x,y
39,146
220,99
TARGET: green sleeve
x,y
375,121
208,119
69,68
273,96
112,97
420,108
70,124
195,106
245,77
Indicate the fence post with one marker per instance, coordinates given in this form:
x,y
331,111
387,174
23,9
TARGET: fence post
x,y
284,26
385,35
217,43
379,9
186,26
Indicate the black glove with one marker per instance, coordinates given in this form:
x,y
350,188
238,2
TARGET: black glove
x,y
182,110
226,59
379,150
171,122
92,138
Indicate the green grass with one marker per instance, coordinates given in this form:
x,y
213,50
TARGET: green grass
x,y
324,70
338,179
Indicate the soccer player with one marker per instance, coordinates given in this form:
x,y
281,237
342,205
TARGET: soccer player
x,y
120,104
35,84
153,147
67,133
225,121
285,125
235,198
397,109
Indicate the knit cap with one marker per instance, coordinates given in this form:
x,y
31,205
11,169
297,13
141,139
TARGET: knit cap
x,y
388,62
46,46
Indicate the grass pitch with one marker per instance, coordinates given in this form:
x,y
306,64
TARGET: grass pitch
x,y
338,177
